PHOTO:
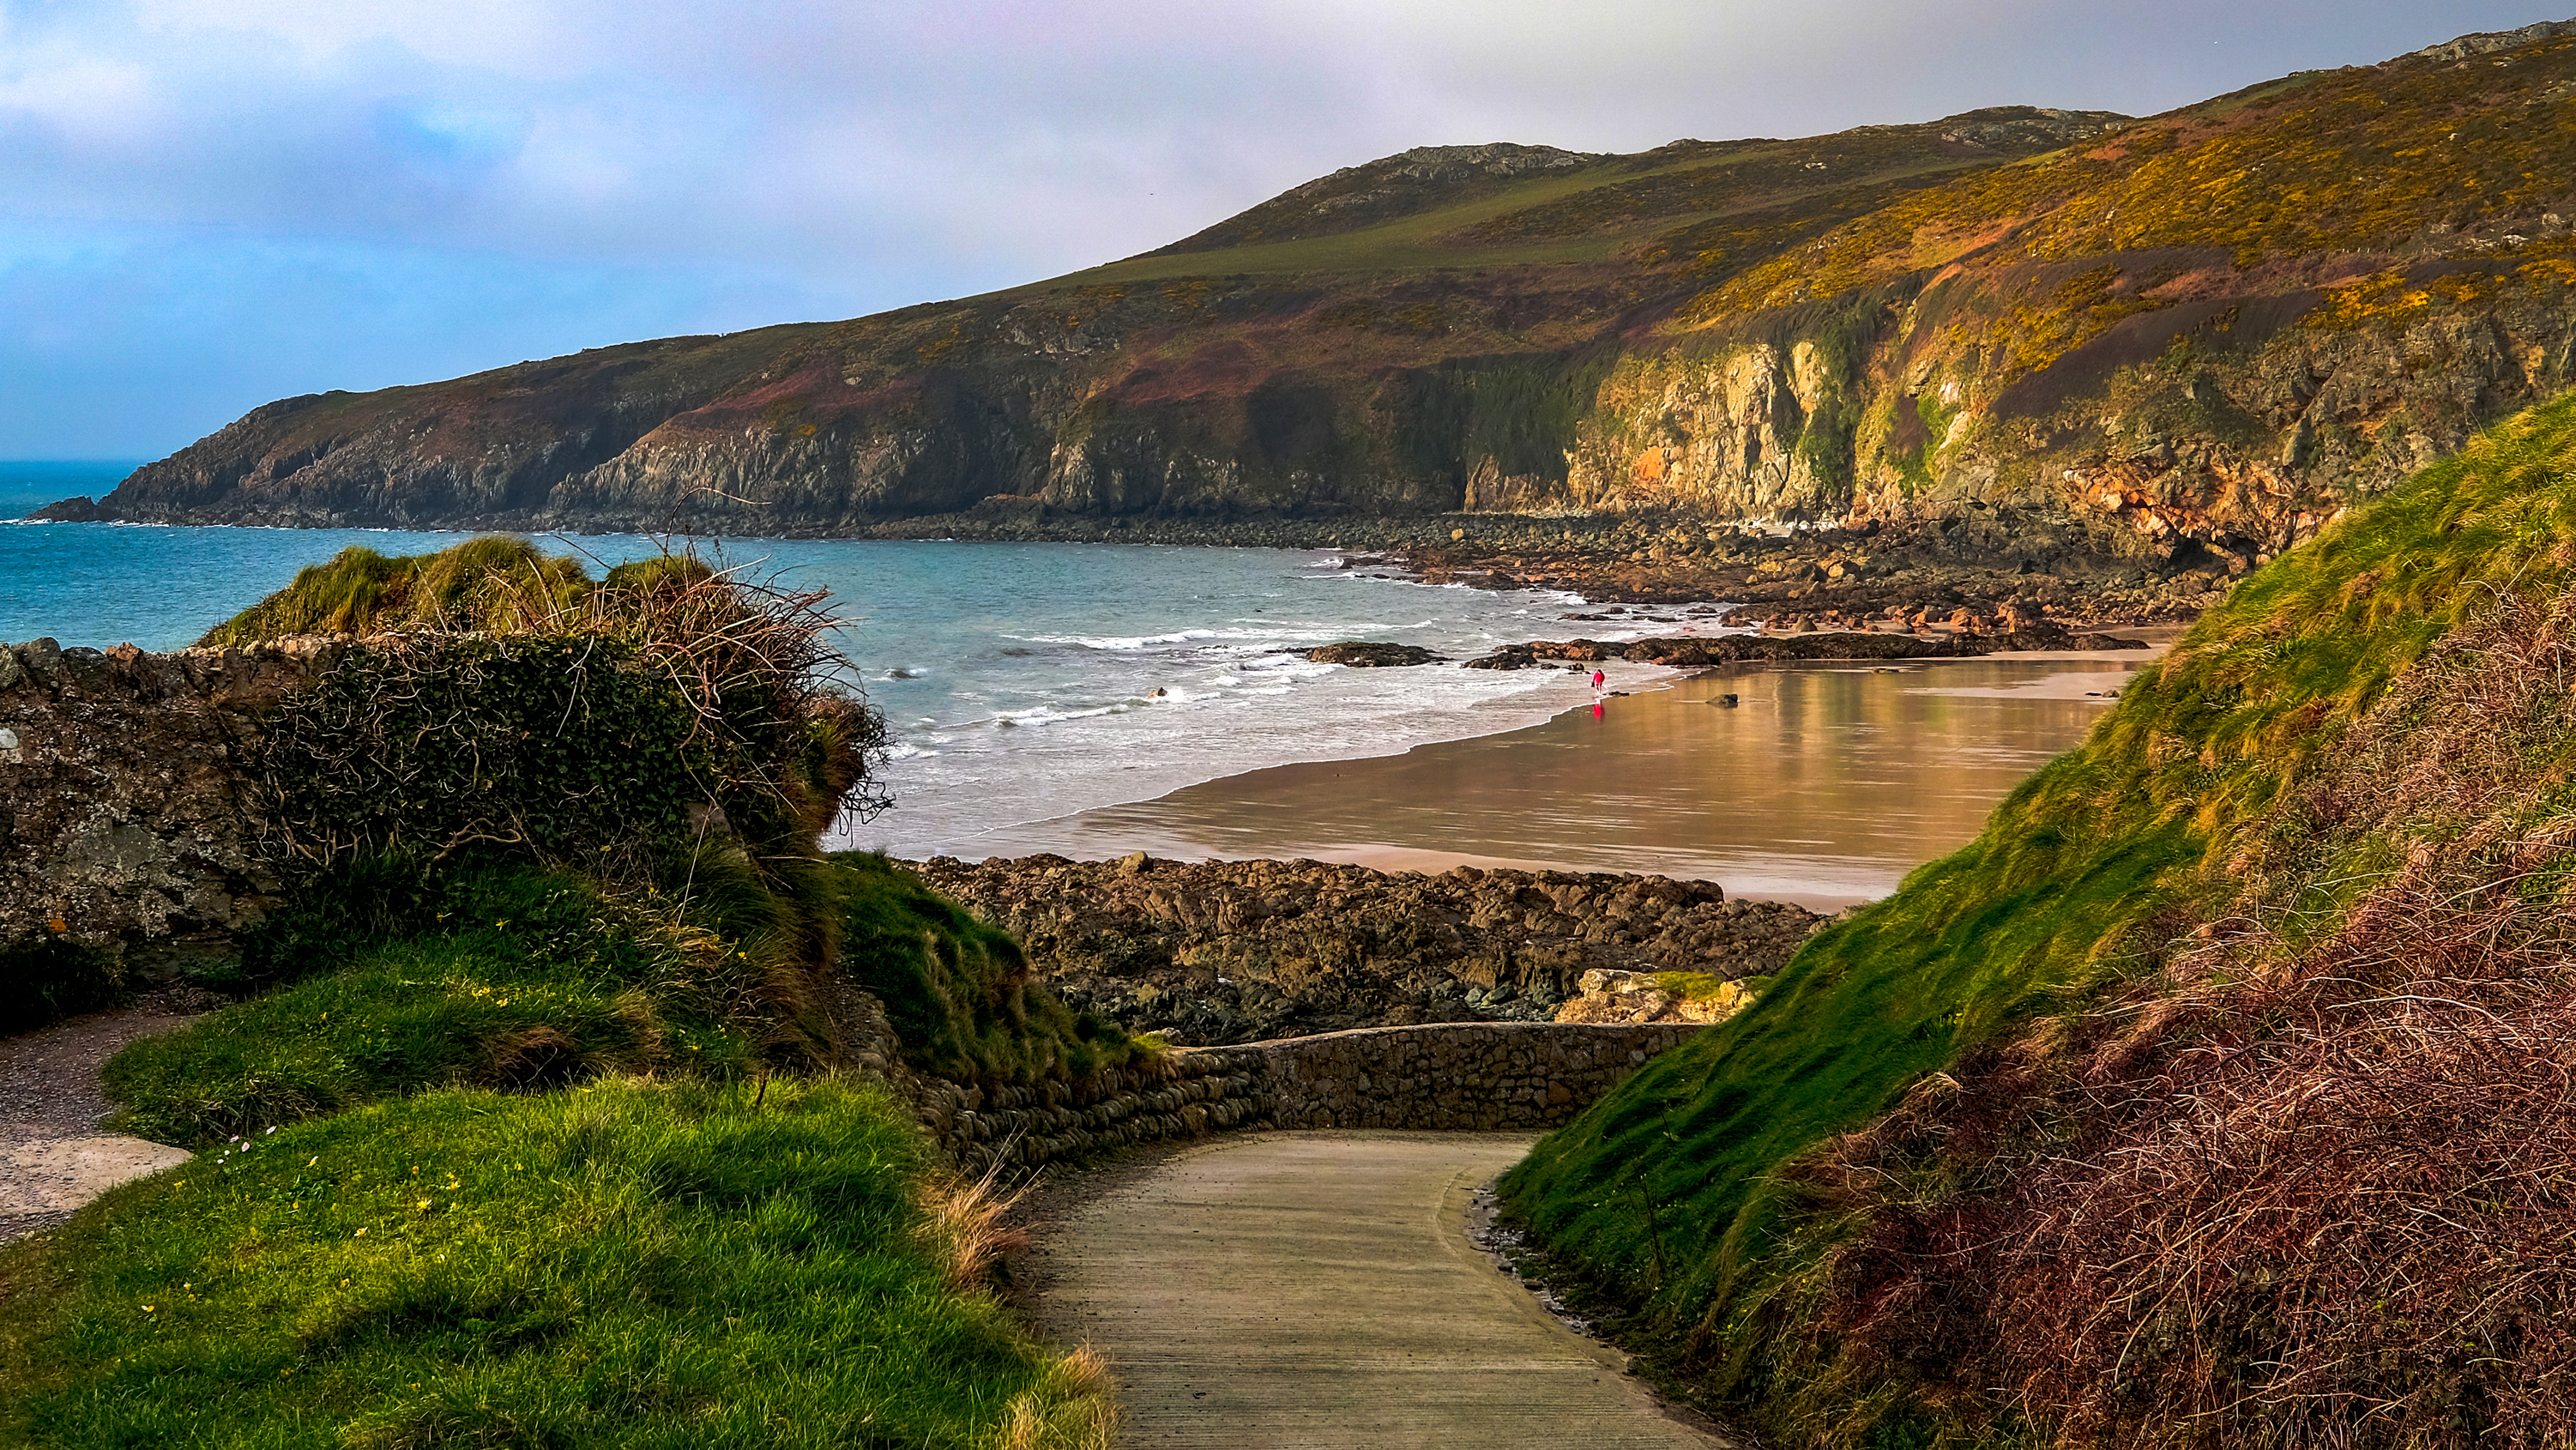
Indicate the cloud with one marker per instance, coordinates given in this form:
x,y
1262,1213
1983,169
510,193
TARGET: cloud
x,y
590,165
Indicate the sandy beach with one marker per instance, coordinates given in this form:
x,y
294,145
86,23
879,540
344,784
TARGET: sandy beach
x,y
1824,784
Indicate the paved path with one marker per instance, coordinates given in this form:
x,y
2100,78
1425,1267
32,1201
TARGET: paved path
x,y
53,1158
1318,1289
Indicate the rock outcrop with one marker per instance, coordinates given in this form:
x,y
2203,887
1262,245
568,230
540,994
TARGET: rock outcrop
x,y
1608,996
1362,655
1237,951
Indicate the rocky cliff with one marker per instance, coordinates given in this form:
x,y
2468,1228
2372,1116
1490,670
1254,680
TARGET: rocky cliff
x,y
2186,340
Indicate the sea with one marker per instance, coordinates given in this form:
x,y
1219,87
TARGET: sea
x,y
1023,682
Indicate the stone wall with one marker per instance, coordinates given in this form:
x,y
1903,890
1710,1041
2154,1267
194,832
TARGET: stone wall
x,y
1459,1076
120,823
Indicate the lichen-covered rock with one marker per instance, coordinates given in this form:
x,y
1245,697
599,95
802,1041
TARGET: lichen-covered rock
x,y
1239,951
120,822
1608,996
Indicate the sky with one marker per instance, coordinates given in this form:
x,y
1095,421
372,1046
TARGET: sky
x,y
207,204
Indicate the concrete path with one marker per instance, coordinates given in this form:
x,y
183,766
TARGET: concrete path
x,y
1318,1289
53,1158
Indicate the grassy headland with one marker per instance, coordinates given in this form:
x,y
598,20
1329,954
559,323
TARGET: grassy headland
x,y
529,1125
1844,1212
2029,340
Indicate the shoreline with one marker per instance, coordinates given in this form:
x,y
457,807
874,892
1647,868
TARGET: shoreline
x,y
1823,787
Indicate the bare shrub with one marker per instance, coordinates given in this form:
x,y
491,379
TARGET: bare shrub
x,y
609,727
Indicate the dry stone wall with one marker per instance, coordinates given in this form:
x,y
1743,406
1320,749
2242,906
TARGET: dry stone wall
x,y
1472,1076
1480,1076
120,822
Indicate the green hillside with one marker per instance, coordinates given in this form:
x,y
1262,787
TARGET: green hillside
x,y
1769,1194
2093,342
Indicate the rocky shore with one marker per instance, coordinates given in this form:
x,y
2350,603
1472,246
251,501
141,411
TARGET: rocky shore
x,y
1241,951
1973,564
1970,567
1973,570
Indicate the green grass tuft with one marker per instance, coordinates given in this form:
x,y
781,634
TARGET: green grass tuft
x,y
502,978
959,992
484,584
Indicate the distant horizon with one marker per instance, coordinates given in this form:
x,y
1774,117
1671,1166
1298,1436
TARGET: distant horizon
x,y
27,483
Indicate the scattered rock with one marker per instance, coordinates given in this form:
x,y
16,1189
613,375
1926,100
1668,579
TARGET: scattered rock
x,y
1239,951
1362,655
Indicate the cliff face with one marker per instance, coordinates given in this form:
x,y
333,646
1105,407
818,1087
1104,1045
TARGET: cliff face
x,y
2190,338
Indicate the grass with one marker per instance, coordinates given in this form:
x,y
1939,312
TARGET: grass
x,y
2081,881
631,1264
2357,162
960,993
1591,214
500,977
477,585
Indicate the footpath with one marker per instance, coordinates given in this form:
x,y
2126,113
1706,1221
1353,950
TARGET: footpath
x,y
53,1158
1317,1289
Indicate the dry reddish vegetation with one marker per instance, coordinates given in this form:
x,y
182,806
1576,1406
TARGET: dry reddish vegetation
x,y
2313,1184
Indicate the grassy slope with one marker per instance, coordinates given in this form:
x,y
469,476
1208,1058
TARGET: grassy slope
x,y
627,1264
638,1244
1521,225
380,1249
2349,169
1443,247
958,992
500,978
1671,1189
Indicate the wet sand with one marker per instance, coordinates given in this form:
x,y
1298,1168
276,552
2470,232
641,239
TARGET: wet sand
x,y
1824,785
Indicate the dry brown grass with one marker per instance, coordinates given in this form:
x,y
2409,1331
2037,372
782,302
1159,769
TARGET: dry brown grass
x,y
970,1224
2315,1185
1073,1406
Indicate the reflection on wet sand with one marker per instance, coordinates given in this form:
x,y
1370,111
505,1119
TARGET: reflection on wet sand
x,y
1823,785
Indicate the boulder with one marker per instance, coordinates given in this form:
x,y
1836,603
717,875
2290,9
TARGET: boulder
x,y
1362,654
1608,995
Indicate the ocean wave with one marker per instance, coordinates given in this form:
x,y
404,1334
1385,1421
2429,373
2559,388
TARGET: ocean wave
x,y
1130,642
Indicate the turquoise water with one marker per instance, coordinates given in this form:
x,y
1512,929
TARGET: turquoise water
x,y
25,486
1023,681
